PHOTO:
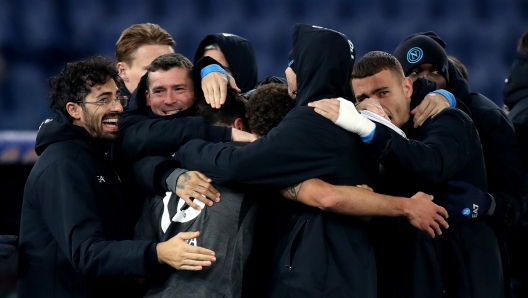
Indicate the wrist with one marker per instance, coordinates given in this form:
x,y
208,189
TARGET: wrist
x,y
159,247
214,68
448,95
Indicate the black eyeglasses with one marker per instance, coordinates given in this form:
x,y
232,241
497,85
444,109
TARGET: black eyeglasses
x,y
123,100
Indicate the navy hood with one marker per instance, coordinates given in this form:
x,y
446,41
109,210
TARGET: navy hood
x,y
240,55
458,85
58,128
322,60
516,85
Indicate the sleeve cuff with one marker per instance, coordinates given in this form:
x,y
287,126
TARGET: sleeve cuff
x,y
492,206
450,97
214,68
366,139
170,181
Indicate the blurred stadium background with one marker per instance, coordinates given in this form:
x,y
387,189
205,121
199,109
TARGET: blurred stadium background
x,y
37,38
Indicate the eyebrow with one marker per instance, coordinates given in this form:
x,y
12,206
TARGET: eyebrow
x,y
108,93
363,95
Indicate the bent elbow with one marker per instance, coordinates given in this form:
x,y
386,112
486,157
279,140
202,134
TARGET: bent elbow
x,y
327,202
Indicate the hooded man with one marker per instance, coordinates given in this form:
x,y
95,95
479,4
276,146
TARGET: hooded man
x,y
235,54
318,254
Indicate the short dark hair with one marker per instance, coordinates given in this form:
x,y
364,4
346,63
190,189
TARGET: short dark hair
x,y
233,108
169,61
376,61
75,80
267,106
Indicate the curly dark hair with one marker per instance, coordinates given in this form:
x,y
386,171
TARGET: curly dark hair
x,y
75,80
233,108
267,106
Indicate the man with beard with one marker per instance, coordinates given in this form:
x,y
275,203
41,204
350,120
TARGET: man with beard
x,y
74,230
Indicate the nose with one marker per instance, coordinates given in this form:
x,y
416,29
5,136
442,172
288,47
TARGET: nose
x,y
170,99
117,106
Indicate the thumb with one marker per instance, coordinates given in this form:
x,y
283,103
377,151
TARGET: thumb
x,y
233,84
188,235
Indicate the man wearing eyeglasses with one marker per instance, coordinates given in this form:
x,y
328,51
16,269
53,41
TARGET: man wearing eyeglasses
x,y
74,228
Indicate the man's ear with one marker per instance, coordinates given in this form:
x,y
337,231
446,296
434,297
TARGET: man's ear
x,y
147,96
239,124
122,70
407,87
74,110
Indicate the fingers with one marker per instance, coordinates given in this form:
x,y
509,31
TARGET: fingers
x,y
207,91
8,238
442,222
187,235
423,111
431,232
202,185
194,185
327,108
443,212
183,256
205,191
202,176
189,200
222,96
233,84
219,90
214,86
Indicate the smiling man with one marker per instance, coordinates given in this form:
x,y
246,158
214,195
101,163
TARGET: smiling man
x,y
170,86
74,228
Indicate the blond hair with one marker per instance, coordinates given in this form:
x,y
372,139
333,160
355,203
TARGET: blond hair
x,y
138,35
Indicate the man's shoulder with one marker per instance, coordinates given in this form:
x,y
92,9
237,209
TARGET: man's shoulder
x,y
451,112
451,119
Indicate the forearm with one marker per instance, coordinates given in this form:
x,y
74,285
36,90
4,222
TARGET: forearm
x,y
348,200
